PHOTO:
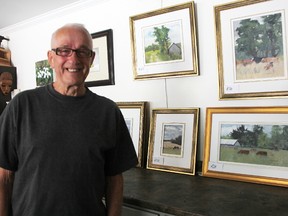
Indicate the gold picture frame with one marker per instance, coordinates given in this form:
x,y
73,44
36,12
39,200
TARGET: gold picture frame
x,y
136,118
247,144
251,50
173,140
173,55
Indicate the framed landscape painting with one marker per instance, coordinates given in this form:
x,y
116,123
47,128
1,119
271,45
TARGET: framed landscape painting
x,y
247,144
252,48
164,42
173,140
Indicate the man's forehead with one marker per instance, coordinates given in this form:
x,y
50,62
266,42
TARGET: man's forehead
x,y
67,37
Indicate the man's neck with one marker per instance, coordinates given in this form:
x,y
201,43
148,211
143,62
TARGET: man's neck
x,y
70,90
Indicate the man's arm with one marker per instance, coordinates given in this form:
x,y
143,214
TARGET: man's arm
x,y
6,184
114,195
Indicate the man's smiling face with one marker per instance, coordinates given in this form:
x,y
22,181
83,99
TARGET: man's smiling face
x,y
71,70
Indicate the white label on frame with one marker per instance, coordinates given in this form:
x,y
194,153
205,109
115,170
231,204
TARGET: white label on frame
x,y
231,88
141,69
215,166
158,160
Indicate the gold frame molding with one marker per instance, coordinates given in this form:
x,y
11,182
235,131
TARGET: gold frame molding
x,y
172,158
248,163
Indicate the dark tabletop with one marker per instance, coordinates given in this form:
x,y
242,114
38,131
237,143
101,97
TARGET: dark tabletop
x,y
183,195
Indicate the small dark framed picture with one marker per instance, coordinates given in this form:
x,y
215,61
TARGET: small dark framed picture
x,y
102,69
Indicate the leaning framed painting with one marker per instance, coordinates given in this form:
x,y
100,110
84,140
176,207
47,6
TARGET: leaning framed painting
x,y
135,115
252,49
102,69
164,42
247,144
173,140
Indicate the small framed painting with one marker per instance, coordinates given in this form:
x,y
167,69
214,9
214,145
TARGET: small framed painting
x,y
102,70
135,115
44,73
173,140
164,42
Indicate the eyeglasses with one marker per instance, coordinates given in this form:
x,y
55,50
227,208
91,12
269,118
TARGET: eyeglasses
x,y
67,52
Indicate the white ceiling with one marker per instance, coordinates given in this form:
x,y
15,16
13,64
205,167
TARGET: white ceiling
x,y
15,11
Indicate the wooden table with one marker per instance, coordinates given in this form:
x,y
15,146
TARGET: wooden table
x,y
185,195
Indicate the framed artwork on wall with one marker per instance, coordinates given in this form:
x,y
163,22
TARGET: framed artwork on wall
x,y
135,115
44,73
252,49
173,140
164,42
247,144
102,69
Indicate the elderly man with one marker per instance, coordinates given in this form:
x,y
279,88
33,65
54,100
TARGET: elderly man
x,y
64,148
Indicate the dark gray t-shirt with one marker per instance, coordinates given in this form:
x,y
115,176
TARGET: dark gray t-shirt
x,y
61,148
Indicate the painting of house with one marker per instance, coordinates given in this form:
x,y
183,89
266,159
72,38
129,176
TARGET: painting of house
x,y
175,49
229,142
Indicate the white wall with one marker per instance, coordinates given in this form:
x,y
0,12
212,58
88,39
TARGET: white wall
x,y
30,40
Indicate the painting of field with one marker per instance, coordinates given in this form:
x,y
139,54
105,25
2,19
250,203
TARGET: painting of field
x,y
261,144
172,144
254,156
266,69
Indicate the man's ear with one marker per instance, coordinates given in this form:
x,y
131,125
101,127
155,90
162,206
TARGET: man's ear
x,y
50,58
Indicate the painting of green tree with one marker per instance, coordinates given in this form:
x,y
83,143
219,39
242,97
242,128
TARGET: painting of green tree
x,y
163,42
259,48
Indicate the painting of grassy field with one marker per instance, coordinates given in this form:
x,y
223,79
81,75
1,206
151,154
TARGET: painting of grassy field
x,y
171,148
257,156
260,71
172,143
